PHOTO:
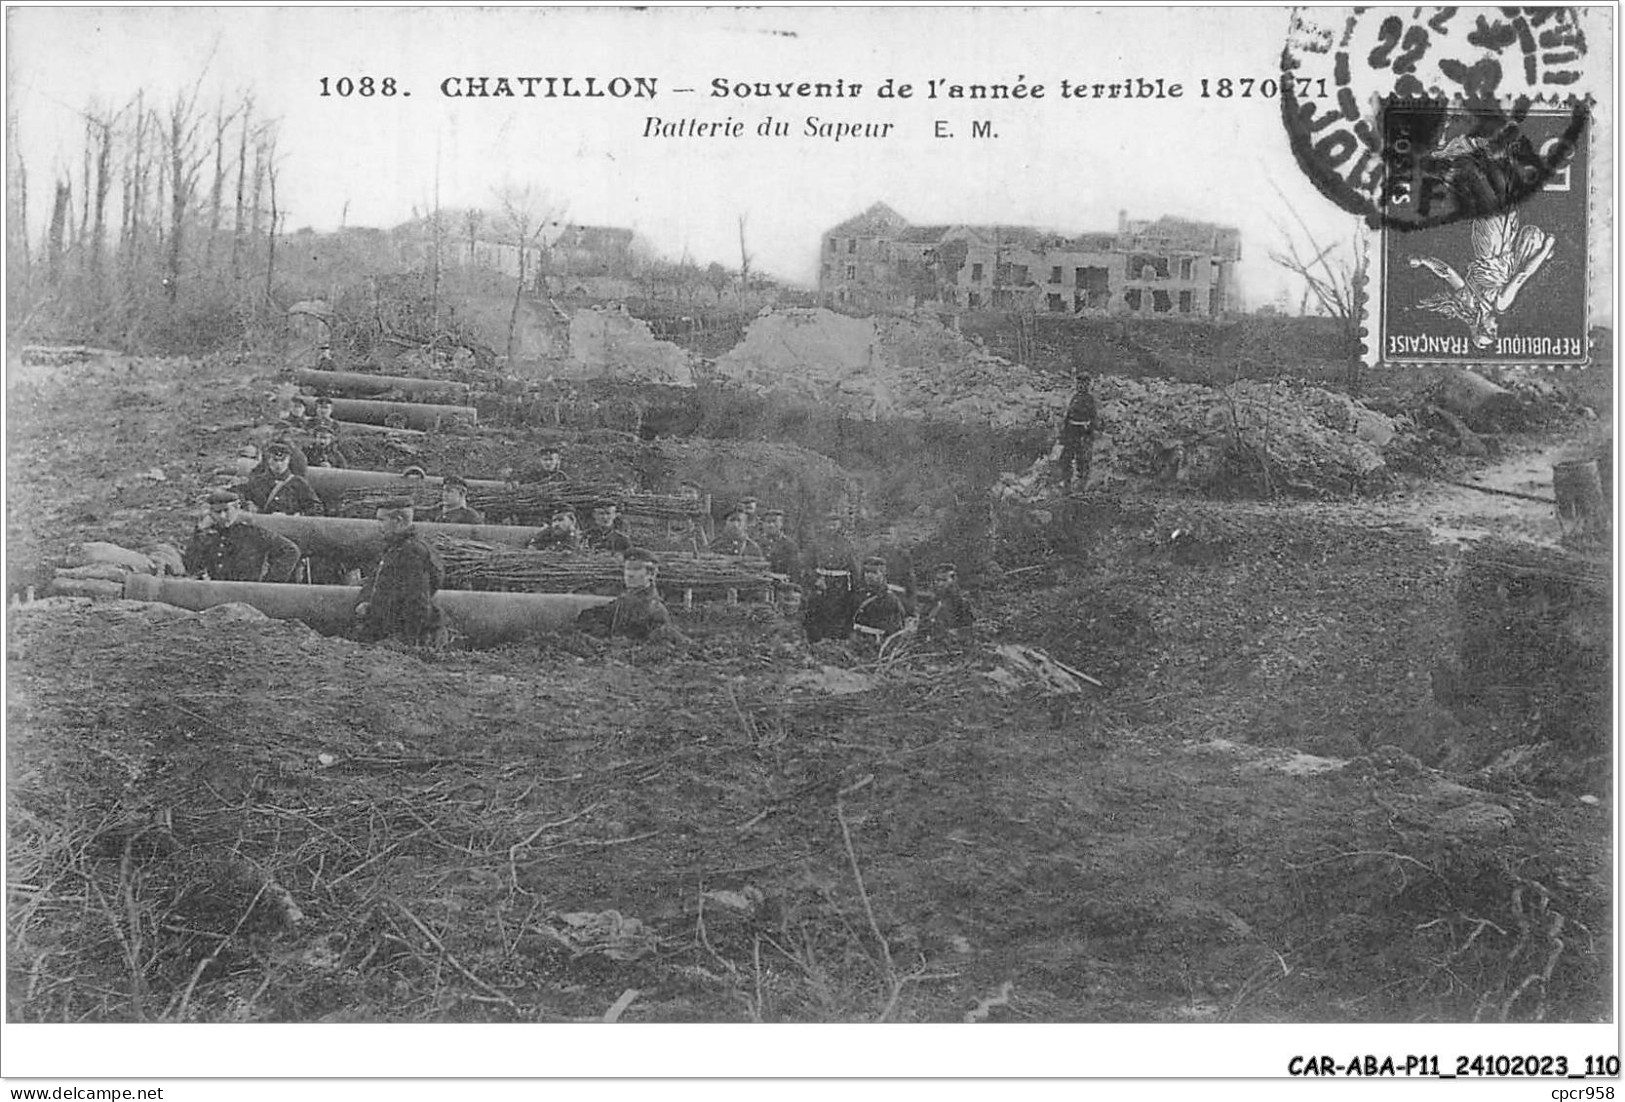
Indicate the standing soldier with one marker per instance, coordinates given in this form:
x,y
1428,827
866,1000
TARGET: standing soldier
x,y
734,538
880,612
1077,438
454,507
831,569
397,601
277,489
225,547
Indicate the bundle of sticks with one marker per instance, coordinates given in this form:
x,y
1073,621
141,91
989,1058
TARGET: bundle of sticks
x,y
536,502
476,564
532,504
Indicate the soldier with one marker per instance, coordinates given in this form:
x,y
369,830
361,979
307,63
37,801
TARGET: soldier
x,y
638,613
880,612
751,506
561,535
397,601
734,538
293,416
783,556
601,534
225,547
454,508
324,357
948,610
831,565
788,627
1077,436
324,408
550,468
297,463
277,489
324,451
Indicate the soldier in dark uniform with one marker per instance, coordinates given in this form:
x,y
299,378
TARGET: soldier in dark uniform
x,y
324,450
601,534
880,612
638,613
454,508
550,468
277,489
783,556
397,600
225,547
1077,436
561,535
733,539
948,610
830,582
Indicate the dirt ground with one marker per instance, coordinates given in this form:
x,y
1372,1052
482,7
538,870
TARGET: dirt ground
x,y
1264,814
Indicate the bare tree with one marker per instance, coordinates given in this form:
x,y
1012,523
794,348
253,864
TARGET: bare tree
x,y
54,240
239,225
744,259
525,214
183,162
1335,281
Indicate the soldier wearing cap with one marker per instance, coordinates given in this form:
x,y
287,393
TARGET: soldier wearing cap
x,y
830,579
638,613
880,612
1077,436
397,600
783,556
947,611
454,507
560,535
602,534
324,449
226,547
294,417
276,488
549,468
734,539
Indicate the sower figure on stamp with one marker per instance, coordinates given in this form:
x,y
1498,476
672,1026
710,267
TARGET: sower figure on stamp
x,y
1077,436
397,601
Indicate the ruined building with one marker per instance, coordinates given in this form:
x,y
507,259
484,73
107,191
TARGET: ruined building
x,y
878,261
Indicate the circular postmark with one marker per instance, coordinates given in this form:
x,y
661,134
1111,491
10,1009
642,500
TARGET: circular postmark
x,y
1419,117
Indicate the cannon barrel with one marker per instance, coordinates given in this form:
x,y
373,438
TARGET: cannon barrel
x,y
330,482
416,415
357,426
483,619
356,384
355,541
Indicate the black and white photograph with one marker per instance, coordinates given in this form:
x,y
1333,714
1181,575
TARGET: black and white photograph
x,y
1086,530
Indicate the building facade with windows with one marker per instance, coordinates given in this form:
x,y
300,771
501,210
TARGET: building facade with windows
x,y
879,261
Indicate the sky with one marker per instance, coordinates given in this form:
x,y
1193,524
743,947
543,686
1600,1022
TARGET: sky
x,y
1069,165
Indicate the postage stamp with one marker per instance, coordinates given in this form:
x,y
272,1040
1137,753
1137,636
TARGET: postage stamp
x,y
1461,137
1485,228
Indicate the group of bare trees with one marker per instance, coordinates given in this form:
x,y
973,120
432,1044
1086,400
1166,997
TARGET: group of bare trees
x,y
163,234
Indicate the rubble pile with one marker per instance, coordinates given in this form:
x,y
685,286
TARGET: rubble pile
x,y
1309,440
613,344
886,368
